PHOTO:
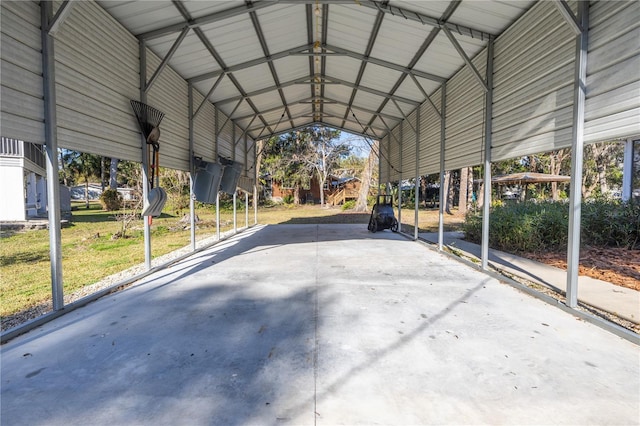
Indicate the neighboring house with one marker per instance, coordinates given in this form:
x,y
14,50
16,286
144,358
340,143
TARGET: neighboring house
x,y
23,188
337,190
95,191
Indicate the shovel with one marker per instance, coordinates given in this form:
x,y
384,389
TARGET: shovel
x,y
157,196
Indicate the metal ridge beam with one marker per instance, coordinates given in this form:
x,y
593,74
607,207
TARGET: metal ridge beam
x,y
323,100
318,123
332,80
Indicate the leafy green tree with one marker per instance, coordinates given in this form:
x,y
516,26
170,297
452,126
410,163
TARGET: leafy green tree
x,y
295,156
81,166
324,154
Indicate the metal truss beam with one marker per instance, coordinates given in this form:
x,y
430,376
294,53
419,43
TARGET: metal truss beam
x,y
381,6
386,64
252,63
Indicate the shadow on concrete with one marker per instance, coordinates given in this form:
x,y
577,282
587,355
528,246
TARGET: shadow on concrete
x,y
226,355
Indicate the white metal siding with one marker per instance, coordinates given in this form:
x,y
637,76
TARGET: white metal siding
x,y
21,94
239,146
225,136
96,76
251,161
533,84
204,129
612,107
430,136
409,147
394,155
246,184
383,155
464,133
170,95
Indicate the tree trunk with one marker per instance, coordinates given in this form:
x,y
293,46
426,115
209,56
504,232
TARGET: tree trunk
x,y
463,196
553,166
103,175
113,174
321,188
481,196
86,192
296,194
448,197
363,194
65,180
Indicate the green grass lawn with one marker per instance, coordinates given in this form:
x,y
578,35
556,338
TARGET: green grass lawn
x,y
90,252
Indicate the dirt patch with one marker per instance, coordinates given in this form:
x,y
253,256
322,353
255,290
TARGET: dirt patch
x,y
615,265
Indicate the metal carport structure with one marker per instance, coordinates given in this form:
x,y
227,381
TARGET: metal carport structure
x,y
441,85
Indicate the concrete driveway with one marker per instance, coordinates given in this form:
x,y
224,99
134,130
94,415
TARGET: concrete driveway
x,y
319,324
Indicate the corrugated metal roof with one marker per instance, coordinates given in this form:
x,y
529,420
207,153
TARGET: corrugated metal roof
x,y
347,64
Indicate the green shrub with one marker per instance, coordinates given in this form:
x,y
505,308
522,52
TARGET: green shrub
x,y
540,226
111,200
611,223
288,199
348,205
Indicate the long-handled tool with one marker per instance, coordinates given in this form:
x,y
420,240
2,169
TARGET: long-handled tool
x,y
149,120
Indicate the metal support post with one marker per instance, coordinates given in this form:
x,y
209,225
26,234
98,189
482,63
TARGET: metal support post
x,y
379,167
400,182
218,216
627,171
235,215
443,110
417,187
575,196
144,176
51,150
255,204
246,210
192,203
488,125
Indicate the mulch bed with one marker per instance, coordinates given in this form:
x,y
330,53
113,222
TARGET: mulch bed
x,y
615,265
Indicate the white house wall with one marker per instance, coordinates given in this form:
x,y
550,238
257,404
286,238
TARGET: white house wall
x,y
12,196
21,94
612,108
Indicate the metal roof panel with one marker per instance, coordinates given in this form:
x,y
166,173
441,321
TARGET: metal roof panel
x,y
284,26
350,27
229,29
234,39
254,78
489,15
399,39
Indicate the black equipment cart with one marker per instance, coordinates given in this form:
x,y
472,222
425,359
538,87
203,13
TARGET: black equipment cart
x,y
382,215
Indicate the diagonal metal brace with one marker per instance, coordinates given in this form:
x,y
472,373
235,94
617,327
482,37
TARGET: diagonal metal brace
x,y
466,59
568,16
